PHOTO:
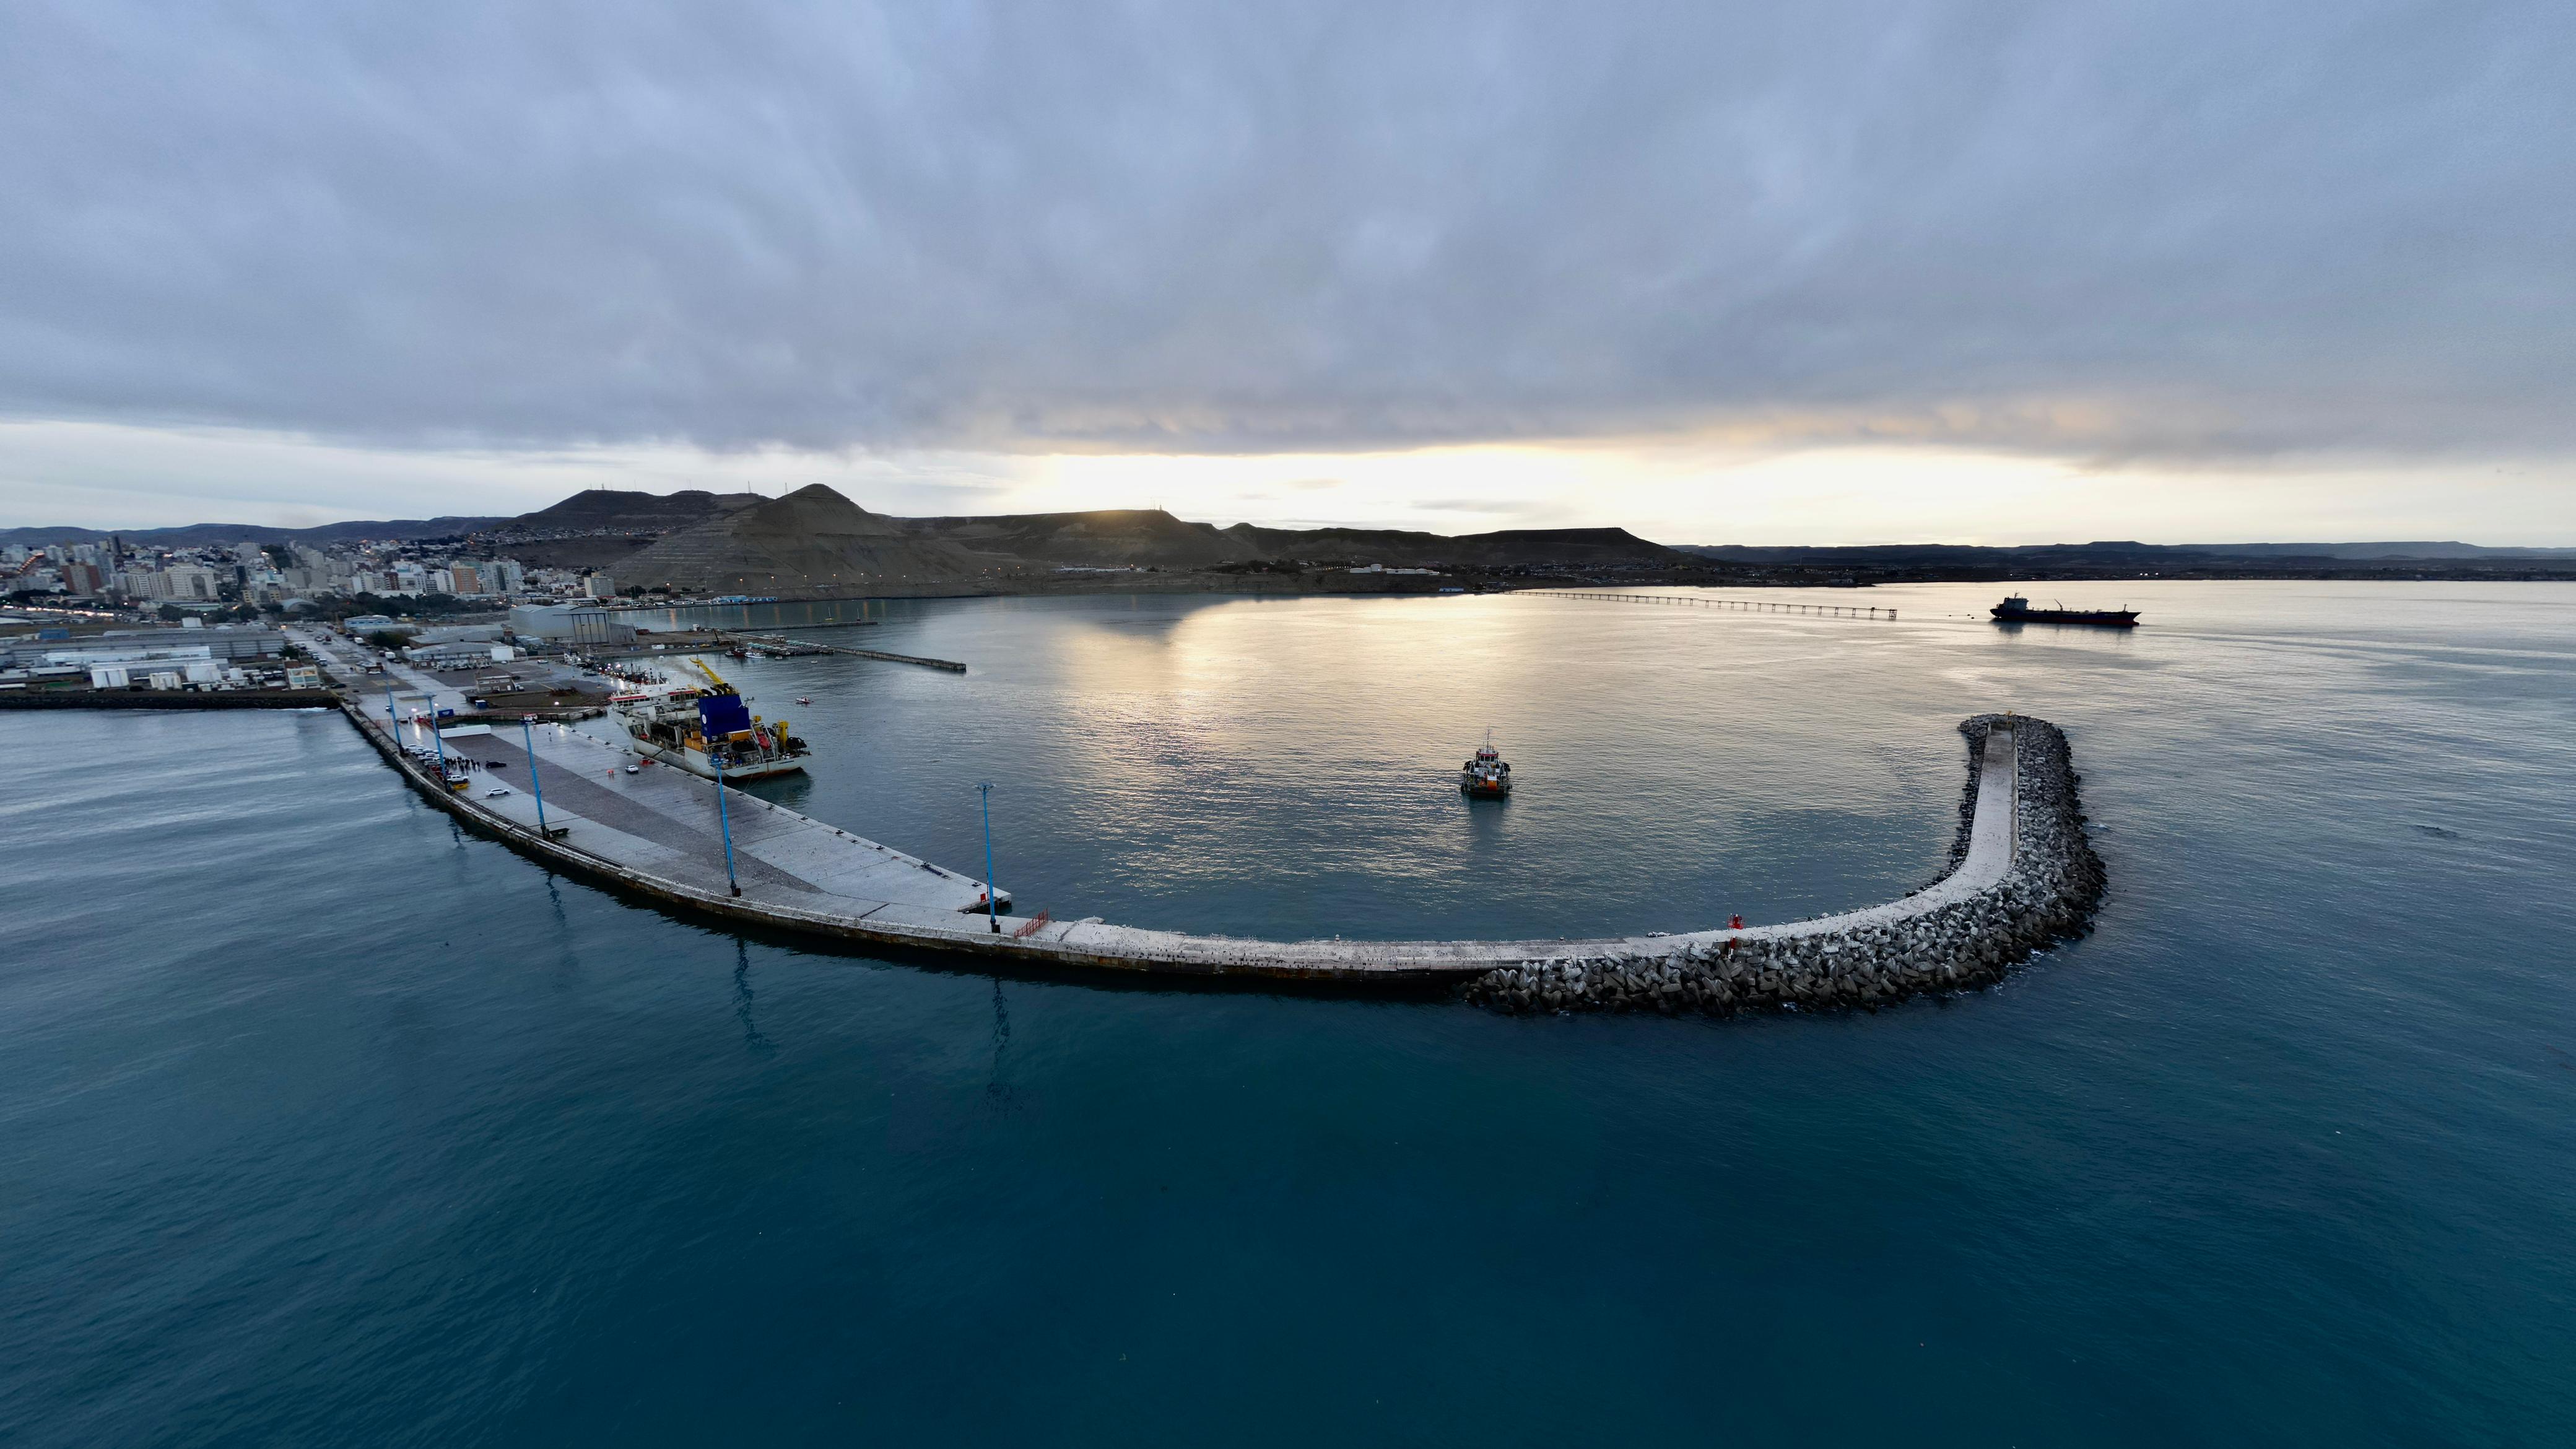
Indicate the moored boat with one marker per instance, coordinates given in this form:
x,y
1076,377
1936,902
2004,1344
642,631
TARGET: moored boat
x,y
707,732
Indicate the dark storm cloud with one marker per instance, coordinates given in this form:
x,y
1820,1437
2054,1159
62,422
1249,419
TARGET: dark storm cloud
x,y
2171,228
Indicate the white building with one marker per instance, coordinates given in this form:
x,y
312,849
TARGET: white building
x,y
191,583
569,624
458,634
460,655
134,646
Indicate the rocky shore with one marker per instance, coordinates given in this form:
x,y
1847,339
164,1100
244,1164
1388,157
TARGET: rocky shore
x,y
2049,894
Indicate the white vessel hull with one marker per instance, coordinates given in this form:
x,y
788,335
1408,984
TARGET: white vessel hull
x,y
698,764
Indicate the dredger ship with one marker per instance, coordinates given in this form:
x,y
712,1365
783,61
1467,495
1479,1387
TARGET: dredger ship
x,y
699,729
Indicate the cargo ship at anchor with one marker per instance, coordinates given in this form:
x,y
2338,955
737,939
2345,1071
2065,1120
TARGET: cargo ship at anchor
x,y
2017,610
704,730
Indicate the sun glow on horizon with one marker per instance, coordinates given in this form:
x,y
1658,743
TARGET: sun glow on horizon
x,y
1688,490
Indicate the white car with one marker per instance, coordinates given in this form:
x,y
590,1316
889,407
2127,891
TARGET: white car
x,y
496,792
635,769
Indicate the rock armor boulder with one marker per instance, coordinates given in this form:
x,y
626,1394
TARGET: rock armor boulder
x,y
2048,894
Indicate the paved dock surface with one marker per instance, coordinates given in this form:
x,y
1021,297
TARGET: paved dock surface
x,y
662,822
658,832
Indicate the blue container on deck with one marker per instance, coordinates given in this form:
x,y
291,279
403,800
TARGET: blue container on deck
x,y
720,715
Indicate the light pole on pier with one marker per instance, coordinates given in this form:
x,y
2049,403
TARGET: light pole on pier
x,y
724,822
528,736
435,734
992,903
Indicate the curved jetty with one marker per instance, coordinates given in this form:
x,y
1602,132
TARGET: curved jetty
x,y
2022,876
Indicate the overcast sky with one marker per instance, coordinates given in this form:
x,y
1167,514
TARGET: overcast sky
x,y
1753,272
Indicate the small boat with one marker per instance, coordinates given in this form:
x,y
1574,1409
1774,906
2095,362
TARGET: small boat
x,y
2017,610
800,699
1485,777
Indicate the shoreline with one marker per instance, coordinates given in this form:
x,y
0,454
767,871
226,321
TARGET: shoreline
x,y
85,698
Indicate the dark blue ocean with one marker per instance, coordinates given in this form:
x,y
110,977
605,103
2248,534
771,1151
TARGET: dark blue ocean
x,y
324,1123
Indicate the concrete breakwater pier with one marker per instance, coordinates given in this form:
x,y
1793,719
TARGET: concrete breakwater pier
x,y
1963,931
2022,876
807,646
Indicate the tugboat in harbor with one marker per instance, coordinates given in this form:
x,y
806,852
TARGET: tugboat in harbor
x,y
2017,610
1485,777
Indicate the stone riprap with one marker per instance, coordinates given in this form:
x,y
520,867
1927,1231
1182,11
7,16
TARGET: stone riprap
x,y
1939,939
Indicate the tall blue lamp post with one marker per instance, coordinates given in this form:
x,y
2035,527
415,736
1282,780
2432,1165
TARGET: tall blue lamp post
x,y
528,734
724,822
992,904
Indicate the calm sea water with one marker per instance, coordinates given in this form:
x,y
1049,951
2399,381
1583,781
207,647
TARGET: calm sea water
x,y
321,1122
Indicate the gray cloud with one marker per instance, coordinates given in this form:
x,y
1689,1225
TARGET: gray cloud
x,y
2170,229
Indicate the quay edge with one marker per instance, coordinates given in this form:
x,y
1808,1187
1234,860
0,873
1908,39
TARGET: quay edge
x,y
169,699
2022,876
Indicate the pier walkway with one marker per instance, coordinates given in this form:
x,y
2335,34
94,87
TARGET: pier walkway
x,y
661,823
1751,606
809,646
656,834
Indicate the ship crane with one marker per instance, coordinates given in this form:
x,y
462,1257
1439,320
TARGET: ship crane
x,y
709,671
